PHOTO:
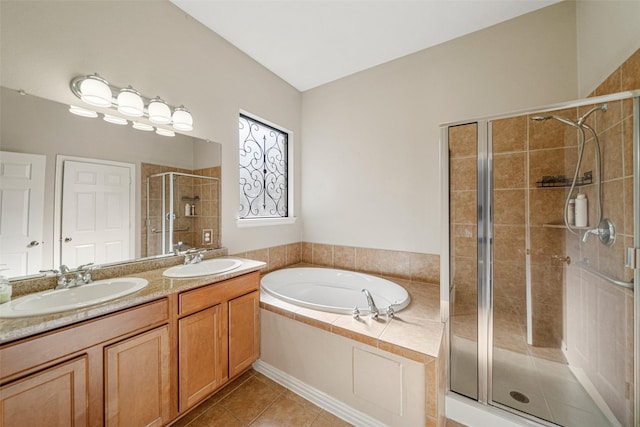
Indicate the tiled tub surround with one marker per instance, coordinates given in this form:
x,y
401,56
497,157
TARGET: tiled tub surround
x,y
321,353
404,265
159,286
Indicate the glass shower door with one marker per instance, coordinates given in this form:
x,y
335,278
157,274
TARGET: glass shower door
x,y
541,309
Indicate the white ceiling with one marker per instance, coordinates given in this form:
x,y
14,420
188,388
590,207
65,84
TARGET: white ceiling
x,y
311,42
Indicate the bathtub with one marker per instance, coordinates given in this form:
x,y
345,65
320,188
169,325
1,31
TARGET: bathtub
x,y
332,290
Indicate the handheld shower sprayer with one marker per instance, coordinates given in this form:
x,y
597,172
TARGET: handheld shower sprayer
x,y
580,125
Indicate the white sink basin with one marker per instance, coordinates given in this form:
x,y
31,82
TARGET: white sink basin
x,y
54,301
204,268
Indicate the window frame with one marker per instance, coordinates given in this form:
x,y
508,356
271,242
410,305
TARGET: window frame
x,y
285,220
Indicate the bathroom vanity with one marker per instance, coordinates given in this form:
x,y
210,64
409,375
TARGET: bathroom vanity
x,y
147,361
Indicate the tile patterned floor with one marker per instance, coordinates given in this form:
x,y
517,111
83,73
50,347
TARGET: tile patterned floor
x,y
254,400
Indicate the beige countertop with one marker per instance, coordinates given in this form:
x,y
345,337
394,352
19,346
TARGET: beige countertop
x,y
12,329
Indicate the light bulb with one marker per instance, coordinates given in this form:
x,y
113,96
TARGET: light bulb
x,y
95,90
130,102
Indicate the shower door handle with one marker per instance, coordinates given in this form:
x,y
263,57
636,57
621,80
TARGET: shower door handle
x,y
632,258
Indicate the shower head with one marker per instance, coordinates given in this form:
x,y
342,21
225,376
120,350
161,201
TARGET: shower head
x,y
540,118
558,118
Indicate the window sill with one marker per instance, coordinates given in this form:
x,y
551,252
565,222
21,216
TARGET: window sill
x,y
263,222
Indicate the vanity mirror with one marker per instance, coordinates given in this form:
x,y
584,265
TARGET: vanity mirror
x,y
70,157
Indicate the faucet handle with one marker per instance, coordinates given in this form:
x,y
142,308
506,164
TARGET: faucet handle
x,y
355,313
391,313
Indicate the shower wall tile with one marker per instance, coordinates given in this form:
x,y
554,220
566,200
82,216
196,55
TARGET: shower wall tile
x,y
464,207
612,84
465,273
631,72
465,176
627,144
548,163
509,243
509,207
509,134
465,240
611,143
546,206
462,141
509,170
545,244
613,204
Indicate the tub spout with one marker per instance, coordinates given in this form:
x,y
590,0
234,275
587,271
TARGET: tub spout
x,y
373,310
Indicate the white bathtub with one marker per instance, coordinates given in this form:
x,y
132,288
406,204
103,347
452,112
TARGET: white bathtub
x,y
334,291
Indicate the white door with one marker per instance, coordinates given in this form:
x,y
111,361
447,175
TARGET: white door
x,y
21,206
96,213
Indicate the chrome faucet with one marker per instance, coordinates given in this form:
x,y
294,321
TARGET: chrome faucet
x,y
373,310
193,256
83,275
62,282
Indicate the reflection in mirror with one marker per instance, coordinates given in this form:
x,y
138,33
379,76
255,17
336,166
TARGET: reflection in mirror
x,y
39,136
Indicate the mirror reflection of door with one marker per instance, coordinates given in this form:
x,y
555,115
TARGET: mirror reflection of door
x,y
22,206
97,212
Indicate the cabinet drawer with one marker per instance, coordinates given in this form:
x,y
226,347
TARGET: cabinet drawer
x,y
40,349
206,296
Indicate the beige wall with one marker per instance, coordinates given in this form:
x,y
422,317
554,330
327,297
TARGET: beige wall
x,y
158,49
608,33
370,164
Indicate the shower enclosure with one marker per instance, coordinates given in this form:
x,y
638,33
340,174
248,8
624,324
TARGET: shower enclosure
x,y
543,320
182,212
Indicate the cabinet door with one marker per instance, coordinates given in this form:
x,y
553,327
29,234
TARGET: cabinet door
x,y
202,344
137,380
54,397
244,332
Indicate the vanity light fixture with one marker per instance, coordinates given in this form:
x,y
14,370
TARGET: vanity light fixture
x,y
115,120
96,91
83,112
142,126
159,111
182,119
165,132
130,102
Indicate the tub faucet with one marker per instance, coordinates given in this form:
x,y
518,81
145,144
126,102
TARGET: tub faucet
x,y
373,310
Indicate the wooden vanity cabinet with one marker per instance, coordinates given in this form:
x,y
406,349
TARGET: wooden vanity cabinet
x,y
81,374
136,373
141,366
57,396
218,335
244,332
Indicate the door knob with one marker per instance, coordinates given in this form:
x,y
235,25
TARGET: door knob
x,y
67,239
33,243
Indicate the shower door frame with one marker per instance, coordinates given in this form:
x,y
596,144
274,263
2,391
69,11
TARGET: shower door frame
x,y
171,215
485,248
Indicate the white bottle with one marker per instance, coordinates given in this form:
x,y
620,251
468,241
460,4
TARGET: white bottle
x,y
581,210
193,210
5,288
571,212
187,210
